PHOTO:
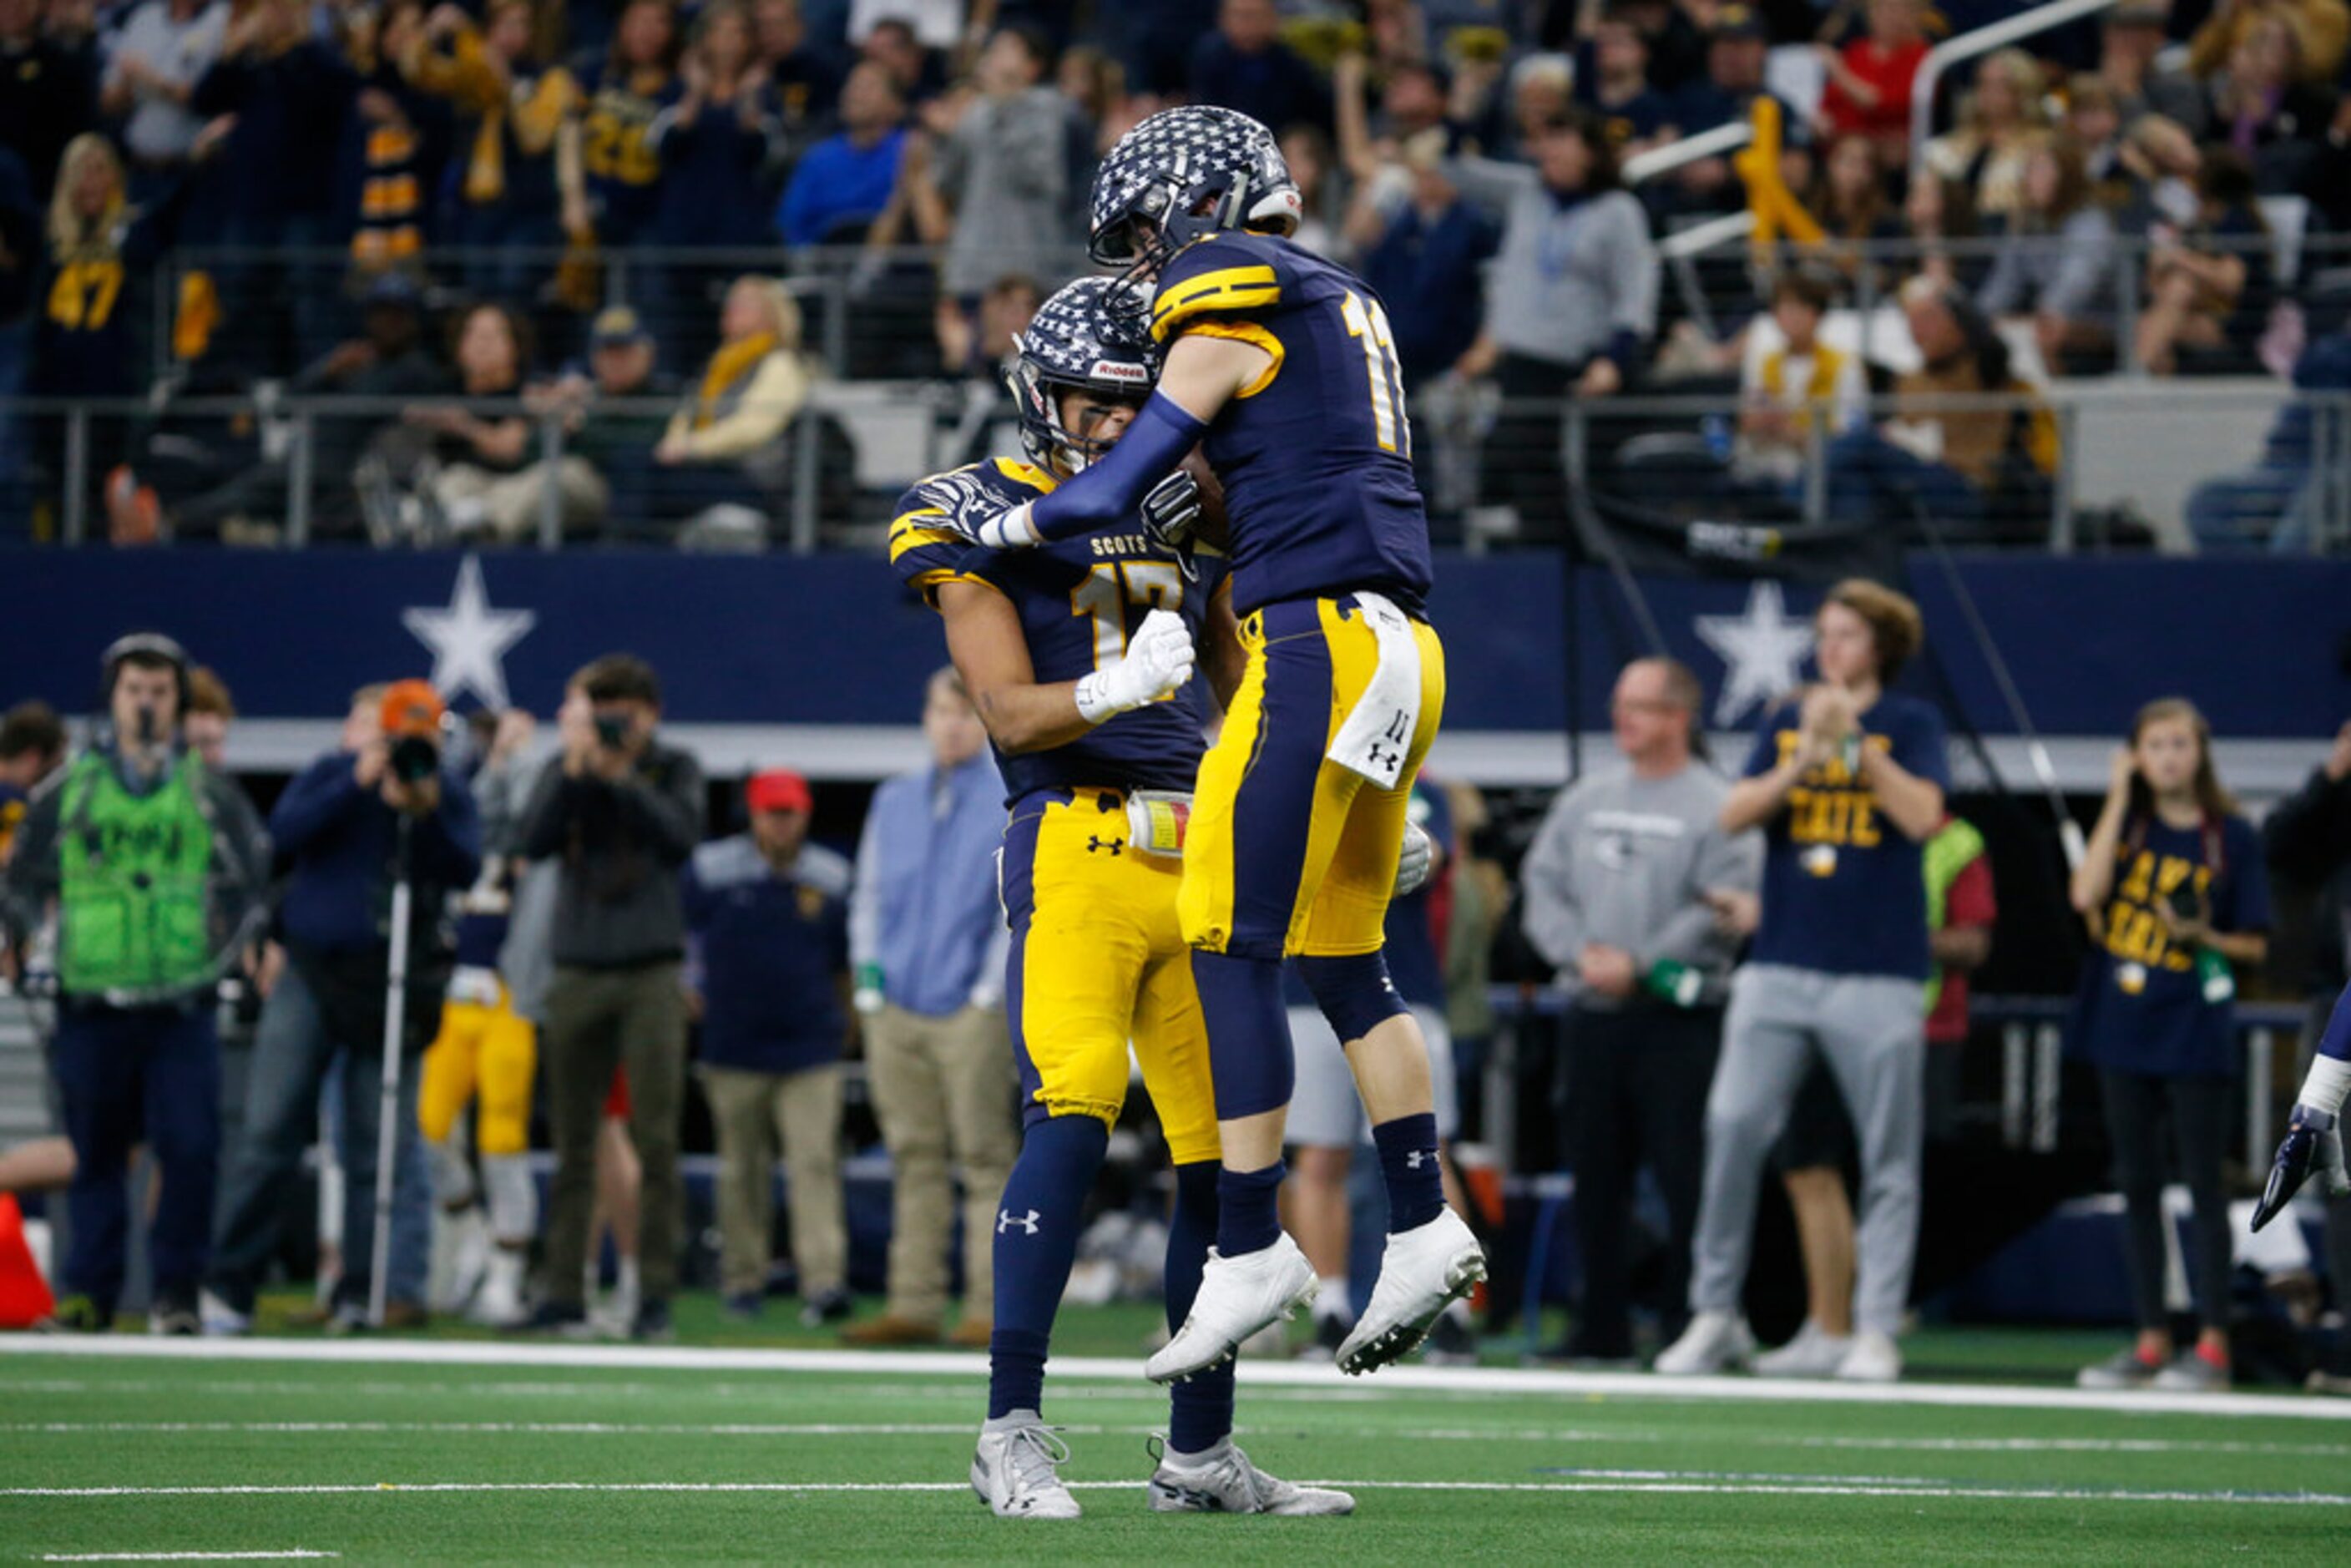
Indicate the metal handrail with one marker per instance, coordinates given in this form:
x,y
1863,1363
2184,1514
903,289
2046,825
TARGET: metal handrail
x,y
1673,155
1981,41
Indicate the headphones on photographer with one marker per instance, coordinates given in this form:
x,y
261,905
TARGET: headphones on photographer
x,y
149,645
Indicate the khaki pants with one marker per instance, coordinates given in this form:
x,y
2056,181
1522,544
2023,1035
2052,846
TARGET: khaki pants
x,y
752,1112
512,502
944,1091
597,1020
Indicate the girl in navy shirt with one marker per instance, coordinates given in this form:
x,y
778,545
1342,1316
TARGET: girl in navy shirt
x,y
2176,899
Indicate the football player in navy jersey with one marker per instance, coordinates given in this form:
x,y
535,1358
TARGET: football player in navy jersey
x,y
1284,368
1079,657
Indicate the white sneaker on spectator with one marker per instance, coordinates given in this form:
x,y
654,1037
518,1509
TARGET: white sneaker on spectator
x,y
1222,1480
1874,1358
1713,1341
1237,1297
2191,1373
1424,1271
1813,1353
220,1320
1015,1472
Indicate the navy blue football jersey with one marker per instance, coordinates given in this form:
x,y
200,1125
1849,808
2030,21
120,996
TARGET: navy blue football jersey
x,y
1080,599
1315,455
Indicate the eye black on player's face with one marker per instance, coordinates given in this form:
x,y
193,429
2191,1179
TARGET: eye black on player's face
x,y
1097,418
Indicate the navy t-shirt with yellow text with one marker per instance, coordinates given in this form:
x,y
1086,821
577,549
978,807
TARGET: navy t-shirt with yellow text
x,y
2141,1007
1844,891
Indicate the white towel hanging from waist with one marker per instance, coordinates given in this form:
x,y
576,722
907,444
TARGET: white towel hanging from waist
x,y
1377,732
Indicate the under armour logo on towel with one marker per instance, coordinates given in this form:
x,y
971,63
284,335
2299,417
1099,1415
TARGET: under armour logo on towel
x,y
1382,758
1005,1220
1112,845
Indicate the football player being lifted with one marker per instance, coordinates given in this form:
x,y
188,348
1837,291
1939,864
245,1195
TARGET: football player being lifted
x,y
1282,368
1080,656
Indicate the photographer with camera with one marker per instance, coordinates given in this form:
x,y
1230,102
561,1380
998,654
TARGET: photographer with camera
x,y
154,868
340,828
621,813
2176,895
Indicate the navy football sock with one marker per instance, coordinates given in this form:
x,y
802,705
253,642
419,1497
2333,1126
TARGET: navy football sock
x,y
1036,1242
1248,1033
1200,1410
1415,1181
1246,1220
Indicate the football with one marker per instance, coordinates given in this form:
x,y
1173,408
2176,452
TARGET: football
x,y
1214,530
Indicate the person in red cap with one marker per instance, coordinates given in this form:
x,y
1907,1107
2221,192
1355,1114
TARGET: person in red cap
x,y
766,917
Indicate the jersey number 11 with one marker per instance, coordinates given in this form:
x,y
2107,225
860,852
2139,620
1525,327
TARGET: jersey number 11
x,y
1367,321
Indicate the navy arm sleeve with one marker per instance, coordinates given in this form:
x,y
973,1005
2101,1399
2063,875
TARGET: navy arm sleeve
x,y
1113,485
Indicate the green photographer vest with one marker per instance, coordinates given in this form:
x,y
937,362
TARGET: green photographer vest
x,y
133,874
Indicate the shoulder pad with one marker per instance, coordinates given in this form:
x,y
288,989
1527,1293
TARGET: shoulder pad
x,y
1224,275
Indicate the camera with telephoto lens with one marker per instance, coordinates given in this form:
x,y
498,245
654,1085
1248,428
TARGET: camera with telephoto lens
x,y
413,717
612,731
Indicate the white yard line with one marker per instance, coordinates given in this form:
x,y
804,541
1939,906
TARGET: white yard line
x,y
1256,1373
177,1557
1601,1481
964,1428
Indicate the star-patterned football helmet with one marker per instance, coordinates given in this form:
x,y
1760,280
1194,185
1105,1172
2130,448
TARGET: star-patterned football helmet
x,y
1185,173
1091,336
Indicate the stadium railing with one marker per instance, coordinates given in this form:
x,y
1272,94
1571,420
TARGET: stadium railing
x,y
2088,466
1983,40
869,314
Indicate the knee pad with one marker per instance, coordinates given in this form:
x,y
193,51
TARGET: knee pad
x,y
1353,992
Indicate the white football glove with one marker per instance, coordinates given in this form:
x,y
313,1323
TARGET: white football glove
x,y
1158,663
1419,859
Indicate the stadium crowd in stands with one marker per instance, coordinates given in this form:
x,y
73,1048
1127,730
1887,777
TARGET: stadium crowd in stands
x,y
226,197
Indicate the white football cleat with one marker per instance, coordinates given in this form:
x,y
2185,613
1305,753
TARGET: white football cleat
x,y
1813,1353
461,1254
1712,1342
1237,1297
1874,1358
498,1303
1222,1480
1422,1272
1014,1469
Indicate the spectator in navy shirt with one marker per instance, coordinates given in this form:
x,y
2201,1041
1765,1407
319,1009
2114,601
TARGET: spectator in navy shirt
x,y
1244,65
335,828
1847,783
847,179
1424,250
767,916
2176,896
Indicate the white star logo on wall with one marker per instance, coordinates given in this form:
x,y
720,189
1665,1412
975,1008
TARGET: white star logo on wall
x,y
1762,652
469,640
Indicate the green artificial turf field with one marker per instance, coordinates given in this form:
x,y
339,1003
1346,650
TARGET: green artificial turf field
x,y
392,1451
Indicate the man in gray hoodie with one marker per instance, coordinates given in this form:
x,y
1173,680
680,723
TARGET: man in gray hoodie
x,y
1626,889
